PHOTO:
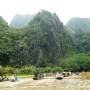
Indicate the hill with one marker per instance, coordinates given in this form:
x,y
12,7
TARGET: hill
x,y
76,24
3,22
41,43
20,21
80,32
45,42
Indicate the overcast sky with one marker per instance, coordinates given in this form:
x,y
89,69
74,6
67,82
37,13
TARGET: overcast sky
x,y
65,9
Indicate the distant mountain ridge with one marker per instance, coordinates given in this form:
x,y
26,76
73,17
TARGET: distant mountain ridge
x,y
20,21
76,24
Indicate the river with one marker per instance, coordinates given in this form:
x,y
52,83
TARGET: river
x,y
68,83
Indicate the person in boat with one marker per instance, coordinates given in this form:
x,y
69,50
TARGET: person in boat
x,y
13,78
59,75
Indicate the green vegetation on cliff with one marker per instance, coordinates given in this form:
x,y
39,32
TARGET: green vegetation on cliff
x,y
45,42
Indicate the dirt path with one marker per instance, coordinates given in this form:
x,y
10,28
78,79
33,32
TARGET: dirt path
x,y
69,83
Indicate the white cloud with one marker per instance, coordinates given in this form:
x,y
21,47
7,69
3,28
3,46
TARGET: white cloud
x,y
65,9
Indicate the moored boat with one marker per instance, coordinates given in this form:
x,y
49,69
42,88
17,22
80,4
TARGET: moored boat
x,y
59,76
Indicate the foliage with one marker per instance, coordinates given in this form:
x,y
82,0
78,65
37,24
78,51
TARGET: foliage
x,y
76,62
26,70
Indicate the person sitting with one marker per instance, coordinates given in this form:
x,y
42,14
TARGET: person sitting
x,y
59,76
12,79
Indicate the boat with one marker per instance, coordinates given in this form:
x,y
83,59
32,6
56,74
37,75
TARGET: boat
x,y
59,76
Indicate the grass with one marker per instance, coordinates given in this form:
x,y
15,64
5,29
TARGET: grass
x,y
24,76
85,75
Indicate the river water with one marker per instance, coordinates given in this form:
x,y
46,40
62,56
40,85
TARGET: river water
x,y
69,83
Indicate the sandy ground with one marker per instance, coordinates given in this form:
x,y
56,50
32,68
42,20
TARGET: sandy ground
x,y
50,83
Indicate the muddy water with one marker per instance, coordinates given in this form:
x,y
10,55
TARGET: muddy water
x,y
69,83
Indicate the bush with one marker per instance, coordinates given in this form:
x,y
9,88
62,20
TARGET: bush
x,y
76,62
57,69
25,70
